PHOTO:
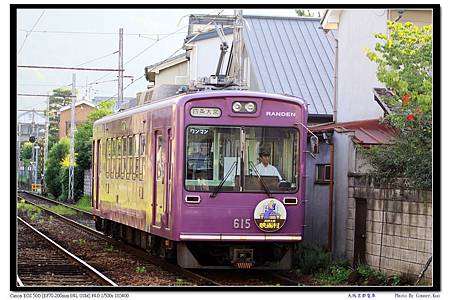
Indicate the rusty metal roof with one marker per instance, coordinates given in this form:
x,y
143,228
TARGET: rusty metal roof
x,y
366,132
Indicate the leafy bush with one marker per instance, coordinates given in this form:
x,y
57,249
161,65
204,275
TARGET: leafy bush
x,y
405,67
310,258
335,274
367,272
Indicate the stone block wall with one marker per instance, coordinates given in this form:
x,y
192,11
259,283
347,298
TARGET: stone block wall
x,y
399,226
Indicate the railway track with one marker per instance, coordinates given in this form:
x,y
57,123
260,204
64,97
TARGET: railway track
x,y
42,262
198,277
112,253
73,213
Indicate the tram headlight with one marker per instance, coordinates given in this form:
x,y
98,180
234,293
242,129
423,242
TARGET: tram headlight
x,y
237,106
250,107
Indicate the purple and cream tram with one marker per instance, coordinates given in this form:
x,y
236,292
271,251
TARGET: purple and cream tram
x,y
179,177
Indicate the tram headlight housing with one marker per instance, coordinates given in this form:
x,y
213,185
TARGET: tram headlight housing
x,y
237,106
244,107
250,107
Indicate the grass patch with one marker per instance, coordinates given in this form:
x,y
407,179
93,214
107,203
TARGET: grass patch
x,y
180,281
84,204
60,210
33,212
140,269
80,242
110,248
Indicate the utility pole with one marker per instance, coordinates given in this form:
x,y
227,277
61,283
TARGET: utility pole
x,y
47,123
120,79
72,141
33,156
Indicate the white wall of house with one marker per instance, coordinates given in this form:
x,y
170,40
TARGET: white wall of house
x,y
205,56
356,73
176,74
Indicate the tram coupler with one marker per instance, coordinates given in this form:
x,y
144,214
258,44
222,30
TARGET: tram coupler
x,y
242,258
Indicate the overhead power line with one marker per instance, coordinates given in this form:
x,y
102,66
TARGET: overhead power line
x,y
29,32
69,68
99,33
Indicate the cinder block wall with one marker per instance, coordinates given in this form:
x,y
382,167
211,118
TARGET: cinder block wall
x,y
398,227
87,182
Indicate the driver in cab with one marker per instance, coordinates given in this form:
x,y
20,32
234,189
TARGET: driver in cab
x,y
264,168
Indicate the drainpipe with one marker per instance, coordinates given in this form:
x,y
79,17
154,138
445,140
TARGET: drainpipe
x,y
330,197
336,54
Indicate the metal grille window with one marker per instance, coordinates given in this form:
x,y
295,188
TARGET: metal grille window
x,y
323,173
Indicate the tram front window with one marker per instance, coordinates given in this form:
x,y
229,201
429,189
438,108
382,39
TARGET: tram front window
x,y
214,158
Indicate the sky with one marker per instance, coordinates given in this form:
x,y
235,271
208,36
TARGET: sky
x,y
89,38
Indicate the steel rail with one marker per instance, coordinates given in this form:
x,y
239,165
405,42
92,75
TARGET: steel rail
x,y
138,252
19,282
91,269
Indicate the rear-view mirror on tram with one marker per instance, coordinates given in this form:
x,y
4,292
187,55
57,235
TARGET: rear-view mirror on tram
x,y
314,143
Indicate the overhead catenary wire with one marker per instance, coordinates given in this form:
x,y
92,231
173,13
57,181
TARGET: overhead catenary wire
x,y
142,76
144,50
169,34
176,51
95,59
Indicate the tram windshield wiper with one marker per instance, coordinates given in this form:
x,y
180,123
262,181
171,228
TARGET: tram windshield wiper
x,y
214,194
266,188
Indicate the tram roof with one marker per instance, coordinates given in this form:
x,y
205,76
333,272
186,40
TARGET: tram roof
x,y
198,95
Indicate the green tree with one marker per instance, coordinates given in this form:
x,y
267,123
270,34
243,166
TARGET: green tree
x,y
26,153
54,165
404,59
83,136
59,98
308,12
83,144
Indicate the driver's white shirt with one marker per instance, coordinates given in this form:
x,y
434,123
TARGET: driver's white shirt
x,y
268,170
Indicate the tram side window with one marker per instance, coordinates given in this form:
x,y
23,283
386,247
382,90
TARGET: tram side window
x,y
130,157
107,156
119,157
124,157
113,157
136,156
142,155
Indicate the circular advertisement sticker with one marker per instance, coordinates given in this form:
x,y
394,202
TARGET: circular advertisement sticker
x,y
270,215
